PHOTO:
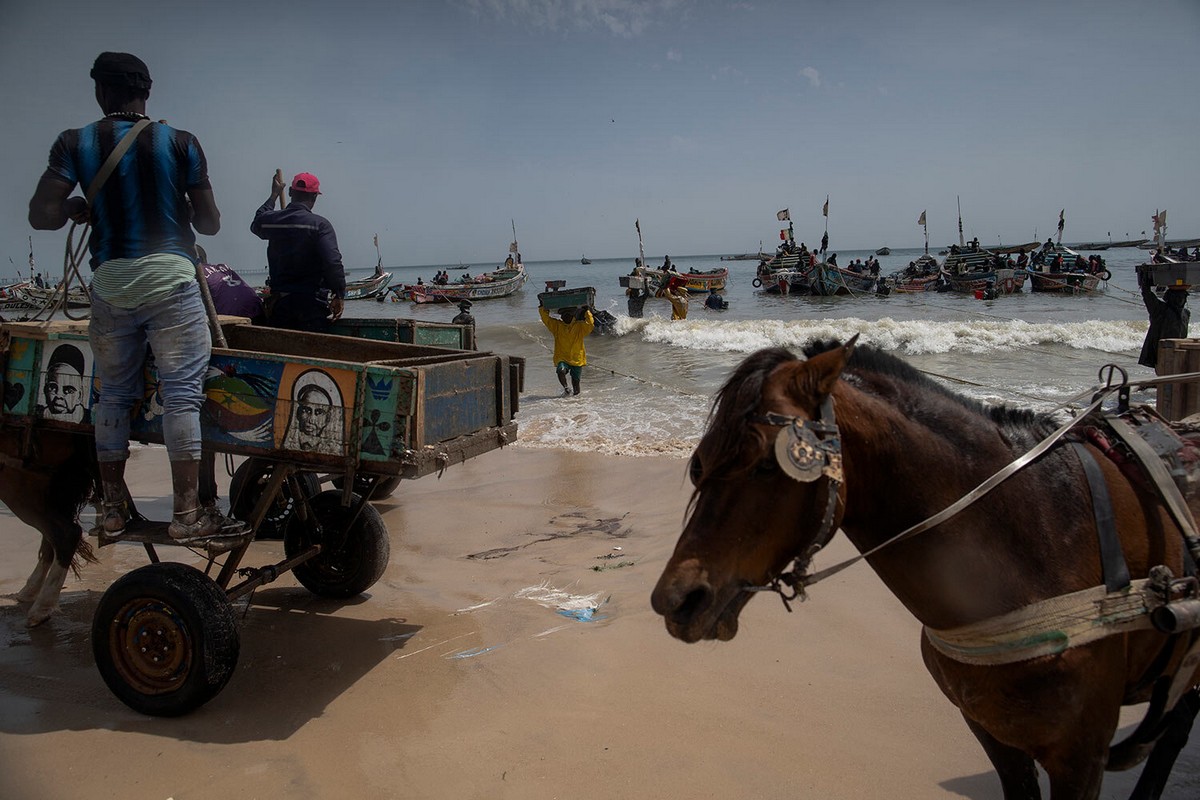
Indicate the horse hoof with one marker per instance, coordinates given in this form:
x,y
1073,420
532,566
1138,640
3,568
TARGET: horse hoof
x,y
36,618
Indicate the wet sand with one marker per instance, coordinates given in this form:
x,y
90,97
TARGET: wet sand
x,y
458,676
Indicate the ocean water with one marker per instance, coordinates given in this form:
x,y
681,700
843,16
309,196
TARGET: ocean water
x,y
647,390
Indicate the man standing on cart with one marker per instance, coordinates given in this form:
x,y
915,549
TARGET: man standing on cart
x,y
143,205
308,283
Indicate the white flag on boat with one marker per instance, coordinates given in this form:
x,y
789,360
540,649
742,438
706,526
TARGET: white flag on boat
x,y
783,215
921,219
512,248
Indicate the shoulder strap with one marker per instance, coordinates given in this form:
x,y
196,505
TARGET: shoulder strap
x,y
114,158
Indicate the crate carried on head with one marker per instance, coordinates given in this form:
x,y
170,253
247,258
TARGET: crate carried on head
x,y
556,297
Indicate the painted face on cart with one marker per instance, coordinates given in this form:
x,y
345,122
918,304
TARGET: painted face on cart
x,y
313,413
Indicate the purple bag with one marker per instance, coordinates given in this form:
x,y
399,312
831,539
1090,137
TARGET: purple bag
x,y
231,295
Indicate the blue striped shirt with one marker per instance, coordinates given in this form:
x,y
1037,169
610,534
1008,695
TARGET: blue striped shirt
x,y
142,208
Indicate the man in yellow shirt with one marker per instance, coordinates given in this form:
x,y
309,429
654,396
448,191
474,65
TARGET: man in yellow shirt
x,y
569,333
679,301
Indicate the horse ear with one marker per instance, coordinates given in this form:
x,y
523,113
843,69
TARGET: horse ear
x,y
829,365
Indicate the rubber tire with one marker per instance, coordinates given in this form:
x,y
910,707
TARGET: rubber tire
x,y
756,283
246,486
175,609
1105,275
384,489
353,567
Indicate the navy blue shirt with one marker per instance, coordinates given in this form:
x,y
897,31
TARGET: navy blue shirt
x,y
302,250
143,207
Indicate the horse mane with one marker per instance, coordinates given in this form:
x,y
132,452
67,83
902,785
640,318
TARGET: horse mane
x,y
871,362
735,401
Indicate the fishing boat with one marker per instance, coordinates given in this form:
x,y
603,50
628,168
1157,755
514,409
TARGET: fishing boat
x,y
1009,249
370,287
922,275
38,297
829,279
11,299
500,282
1076,275
783,274
585,260
1174,244
883,251
971,271
693,281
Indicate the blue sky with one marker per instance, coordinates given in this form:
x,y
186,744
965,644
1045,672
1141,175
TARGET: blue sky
x,y
434,124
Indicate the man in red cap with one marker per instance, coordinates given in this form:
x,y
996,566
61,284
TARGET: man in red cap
x,y
307,281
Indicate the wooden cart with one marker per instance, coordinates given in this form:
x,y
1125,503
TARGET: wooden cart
x,y
358,411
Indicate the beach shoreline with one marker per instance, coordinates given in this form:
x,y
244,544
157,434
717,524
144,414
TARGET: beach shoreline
x,y
509,651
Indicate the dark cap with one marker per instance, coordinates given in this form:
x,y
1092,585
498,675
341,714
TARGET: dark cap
x,y
464,304
68,355
121,69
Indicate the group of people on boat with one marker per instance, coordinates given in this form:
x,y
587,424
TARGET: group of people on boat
x,y
1165,255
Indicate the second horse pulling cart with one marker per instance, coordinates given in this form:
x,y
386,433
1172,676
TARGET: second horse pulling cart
x,y
395,400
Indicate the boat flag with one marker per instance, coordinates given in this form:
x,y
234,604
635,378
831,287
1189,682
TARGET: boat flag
x,y
825,208
783,234
1061,219
783,216
377,240
921,219
512,248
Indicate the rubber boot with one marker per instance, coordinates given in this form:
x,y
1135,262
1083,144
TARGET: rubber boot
x,y
115,508
191,522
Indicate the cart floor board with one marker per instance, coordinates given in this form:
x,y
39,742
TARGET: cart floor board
x,y
155,532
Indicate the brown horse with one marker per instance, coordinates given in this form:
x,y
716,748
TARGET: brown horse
x,y
775,476
46,476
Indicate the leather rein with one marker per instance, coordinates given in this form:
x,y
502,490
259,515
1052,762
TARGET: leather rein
x,y
808,449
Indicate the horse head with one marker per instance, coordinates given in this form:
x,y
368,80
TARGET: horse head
x,y
769,458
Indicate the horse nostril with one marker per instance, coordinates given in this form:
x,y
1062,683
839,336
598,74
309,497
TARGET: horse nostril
x,y
693,603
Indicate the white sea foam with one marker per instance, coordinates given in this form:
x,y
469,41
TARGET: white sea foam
x,y
910,337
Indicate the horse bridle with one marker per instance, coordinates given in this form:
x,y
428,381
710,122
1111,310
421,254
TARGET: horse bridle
x,y
806,450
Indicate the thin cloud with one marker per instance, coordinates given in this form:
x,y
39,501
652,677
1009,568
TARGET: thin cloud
x,y
624,18
674,55
814,77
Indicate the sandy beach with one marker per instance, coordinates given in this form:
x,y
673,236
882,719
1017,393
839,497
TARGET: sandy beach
x,y
510,651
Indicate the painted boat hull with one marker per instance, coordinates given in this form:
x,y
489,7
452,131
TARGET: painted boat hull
x,y
500,283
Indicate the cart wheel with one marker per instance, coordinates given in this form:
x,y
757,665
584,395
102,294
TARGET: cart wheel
x,y
165,639
355,558
384,488
246,487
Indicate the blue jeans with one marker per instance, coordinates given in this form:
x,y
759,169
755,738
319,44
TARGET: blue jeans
x,y
176,329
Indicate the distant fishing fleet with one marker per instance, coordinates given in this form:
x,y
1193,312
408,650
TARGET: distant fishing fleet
x,y
792,269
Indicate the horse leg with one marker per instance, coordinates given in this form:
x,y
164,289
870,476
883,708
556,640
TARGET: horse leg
x,y
1179,722
34,585
1018,774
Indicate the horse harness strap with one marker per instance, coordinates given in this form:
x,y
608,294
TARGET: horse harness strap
x,y
1168,490
1112,558
1050,626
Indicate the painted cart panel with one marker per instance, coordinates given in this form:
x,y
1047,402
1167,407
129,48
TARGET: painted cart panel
x,y
320,400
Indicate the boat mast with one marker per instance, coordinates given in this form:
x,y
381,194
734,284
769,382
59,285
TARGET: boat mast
x,y
637,223
378,256
961,241
514,247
